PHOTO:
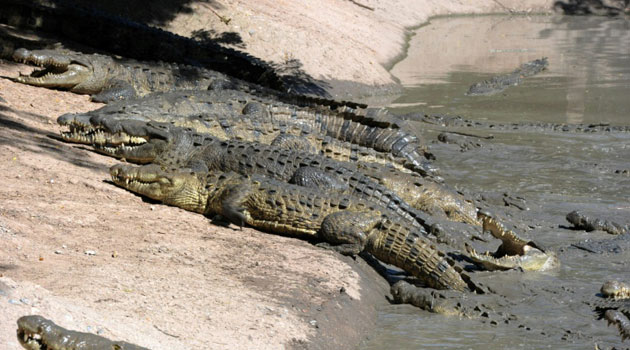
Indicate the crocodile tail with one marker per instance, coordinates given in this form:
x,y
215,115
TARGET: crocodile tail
x,y
398,245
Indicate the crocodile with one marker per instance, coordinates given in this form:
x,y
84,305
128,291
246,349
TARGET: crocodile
x,y
502,82
583,222
514,252
344,223
614,306
457,121
227,108
171,146
134,40
36,333
108,79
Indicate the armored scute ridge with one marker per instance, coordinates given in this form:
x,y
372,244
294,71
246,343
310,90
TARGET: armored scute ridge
x,y
169,146
37,333
233,114
349,225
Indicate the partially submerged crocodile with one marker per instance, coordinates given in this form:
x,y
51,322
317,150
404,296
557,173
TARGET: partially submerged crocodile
x,y
349,225
588,223
170,146
514,251
37,333
235,114
614,306
502,82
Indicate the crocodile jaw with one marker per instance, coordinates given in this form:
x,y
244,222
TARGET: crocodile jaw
x,y
532,260
615,290
59,71
179,189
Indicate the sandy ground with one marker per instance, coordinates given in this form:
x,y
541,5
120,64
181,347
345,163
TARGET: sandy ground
x,y
93,257
367,33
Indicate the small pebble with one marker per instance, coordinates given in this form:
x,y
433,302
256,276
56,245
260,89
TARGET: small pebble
x,y
52,181
313,323
90,252
14,302
25,301
152,207
58,252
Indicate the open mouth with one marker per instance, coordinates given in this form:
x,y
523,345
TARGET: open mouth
x,y
116,144
31,340
57,70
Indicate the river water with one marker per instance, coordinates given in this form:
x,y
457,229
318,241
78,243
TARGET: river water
x,y
587,81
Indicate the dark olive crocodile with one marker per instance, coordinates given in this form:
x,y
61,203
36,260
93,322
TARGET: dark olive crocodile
x,y
583,222
171,146
130,39
224,112
502,82
108,79
614,306
457,121
37,333
348,224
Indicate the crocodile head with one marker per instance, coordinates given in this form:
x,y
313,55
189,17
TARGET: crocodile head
x,y
514,251
178,188
74,72
37,333
615,290
132,139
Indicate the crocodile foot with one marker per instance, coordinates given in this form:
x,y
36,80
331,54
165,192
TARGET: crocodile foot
x,y
514,251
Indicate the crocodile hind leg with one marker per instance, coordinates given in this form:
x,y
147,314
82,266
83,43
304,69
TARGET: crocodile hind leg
x,y
315,178
346,232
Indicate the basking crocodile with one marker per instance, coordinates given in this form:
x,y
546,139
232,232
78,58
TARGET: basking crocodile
x,y
502,82
614,306
349,225
127,38
37,333
514,251
108,79
171,146
236,114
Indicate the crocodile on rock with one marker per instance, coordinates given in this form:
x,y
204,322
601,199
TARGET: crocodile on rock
x,y
347,224
236,114
37,333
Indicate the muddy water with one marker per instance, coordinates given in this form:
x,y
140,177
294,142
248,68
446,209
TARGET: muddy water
x,y
552,173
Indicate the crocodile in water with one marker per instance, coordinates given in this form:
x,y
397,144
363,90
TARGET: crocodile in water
x,y
37,333
500,83
514,252
348,224
587,223
209,111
